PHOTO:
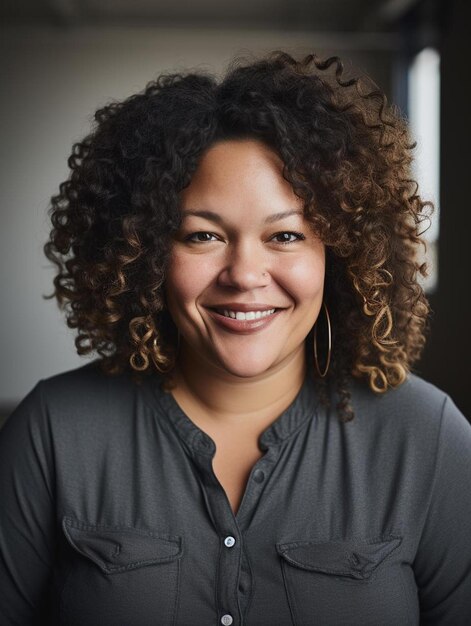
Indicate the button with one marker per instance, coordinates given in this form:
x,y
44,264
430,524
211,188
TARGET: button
x,y
226,619
229,542
259,476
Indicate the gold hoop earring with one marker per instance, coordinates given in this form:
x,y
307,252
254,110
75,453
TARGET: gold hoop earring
x,y
329,334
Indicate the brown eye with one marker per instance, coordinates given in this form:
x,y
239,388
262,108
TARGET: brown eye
x,y
199,237
286,237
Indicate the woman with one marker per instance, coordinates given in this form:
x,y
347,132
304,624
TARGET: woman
x,y
252,447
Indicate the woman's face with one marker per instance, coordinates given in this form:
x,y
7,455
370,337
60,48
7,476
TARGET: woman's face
x,y
244,246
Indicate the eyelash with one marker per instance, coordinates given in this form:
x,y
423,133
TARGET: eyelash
x,y
299,236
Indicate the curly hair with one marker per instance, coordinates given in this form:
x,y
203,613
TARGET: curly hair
x,y
347,154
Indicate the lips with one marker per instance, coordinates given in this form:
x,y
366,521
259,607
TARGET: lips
x,y
243,326
242,306
245,315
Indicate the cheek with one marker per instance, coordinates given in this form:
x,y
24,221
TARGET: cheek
x,y
304,278
187,278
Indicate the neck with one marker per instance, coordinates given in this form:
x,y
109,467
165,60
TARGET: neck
x,y
224,398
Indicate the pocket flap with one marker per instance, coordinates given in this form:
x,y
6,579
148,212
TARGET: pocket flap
x,y
343,558
119,548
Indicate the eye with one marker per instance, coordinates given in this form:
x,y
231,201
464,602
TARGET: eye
x,y
286,237
200,237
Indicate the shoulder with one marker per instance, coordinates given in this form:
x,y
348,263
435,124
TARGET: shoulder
x,y
77,399
80,391
86,378
415,413
414,398
414,432
415,395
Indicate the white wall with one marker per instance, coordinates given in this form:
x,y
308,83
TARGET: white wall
x,y
52,82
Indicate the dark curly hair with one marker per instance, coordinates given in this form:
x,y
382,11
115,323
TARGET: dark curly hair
x,y
346,153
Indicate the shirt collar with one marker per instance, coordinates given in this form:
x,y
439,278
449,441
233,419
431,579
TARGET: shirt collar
x,y
301,410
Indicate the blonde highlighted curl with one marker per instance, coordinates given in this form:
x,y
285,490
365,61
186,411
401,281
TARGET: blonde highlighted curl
x,y
346,153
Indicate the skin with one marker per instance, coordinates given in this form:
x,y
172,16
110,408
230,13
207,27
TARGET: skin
x,y
235,385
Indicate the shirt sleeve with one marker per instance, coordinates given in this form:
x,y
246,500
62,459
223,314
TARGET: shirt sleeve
x,y
443,562
26,513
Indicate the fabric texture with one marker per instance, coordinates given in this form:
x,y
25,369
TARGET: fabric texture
x,y
111,514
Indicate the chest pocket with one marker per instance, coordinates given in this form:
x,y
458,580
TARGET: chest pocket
x,y
119,575
344,582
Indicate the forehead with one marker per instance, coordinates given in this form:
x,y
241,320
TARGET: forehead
x,y
237,174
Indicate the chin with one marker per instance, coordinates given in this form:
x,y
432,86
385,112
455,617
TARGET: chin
x,y
248,368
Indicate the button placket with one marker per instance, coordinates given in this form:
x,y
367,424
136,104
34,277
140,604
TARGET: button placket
x,y
227,530
228,575
256,485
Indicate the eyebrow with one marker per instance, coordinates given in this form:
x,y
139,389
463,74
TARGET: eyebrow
x,y
215,217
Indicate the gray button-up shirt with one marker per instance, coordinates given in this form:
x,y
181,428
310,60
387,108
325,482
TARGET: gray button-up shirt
x,y
111,513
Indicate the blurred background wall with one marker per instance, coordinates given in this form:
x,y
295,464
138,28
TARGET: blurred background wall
x,y
61,60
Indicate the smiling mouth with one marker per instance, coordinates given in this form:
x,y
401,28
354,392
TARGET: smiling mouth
x,y
243,322
245,315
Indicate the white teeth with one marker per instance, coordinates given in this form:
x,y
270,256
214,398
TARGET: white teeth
x,y
249,315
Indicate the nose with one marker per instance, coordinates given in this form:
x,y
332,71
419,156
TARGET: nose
x,y
246,267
